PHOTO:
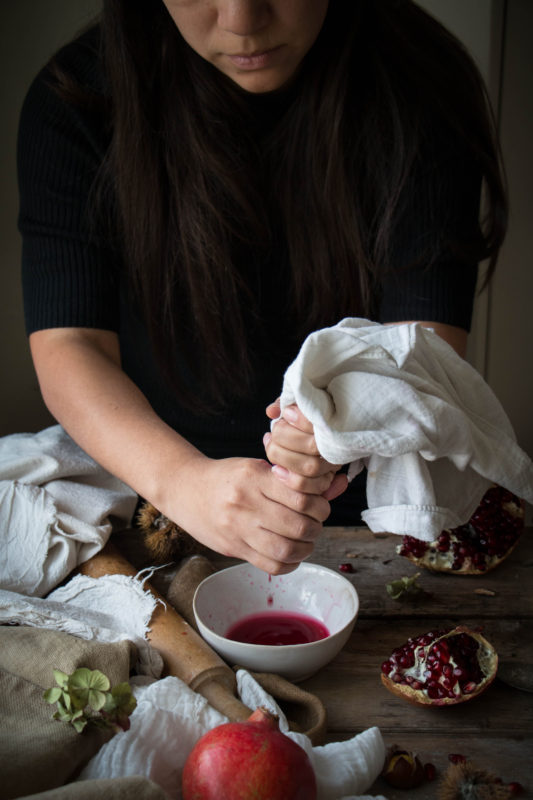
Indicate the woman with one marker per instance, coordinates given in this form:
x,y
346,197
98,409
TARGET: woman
x,y
204,183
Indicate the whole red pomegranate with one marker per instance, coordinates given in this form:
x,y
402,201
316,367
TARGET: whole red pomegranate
x,y
441,668
481,544
248,760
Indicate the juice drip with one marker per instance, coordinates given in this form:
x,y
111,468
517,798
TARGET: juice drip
x,y
277,628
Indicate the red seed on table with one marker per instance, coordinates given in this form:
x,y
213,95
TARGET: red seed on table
x,y
430,772
346,567
456,758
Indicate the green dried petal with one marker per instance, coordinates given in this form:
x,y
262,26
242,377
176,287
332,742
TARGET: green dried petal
x,y
404,586
52,695
84,678
123,697
61,678
79,725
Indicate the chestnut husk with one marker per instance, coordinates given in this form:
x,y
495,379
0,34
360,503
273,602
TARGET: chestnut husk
x,y
403,769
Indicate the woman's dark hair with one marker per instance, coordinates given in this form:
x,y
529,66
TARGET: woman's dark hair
x,y
199,185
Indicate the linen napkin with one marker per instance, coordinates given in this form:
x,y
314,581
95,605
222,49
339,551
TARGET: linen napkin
x,y
57,509
399,401
170,717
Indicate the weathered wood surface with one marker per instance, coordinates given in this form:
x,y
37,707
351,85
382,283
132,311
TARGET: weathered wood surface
x,y
375,563
496,729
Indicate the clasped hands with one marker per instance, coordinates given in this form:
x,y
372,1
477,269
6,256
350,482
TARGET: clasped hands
x,y
296,462
291,449
269,514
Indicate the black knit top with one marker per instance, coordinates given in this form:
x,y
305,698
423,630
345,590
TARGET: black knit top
x,y
72,276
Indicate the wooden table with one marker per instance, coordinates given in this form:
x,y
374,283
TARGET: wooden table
x,y
495,729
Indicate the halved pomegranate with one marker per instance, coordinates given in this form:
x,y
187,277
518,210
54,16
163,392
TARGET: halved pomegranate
x,y
441,668
481,544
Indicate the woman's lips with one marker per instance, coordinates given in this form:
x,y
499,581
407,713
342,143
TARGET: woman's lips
x,y
258,60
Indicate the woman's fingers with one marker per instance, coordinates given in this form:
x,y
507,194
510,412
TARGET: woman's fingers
x,y
273,410
296,451
300,483
338,485
291,414
284,533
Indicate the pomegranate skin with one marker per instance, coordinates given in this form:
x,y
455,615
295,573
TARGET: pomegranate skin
x,y
477,547
249,760
441,668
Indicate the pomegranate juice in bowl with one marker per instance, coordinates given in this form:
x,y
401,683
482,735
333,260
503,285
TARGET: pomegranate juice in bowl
x,y
291,624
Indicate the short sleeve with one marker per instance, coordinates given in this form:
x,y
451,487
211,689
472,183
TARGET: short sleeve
x,y
69,274
440,215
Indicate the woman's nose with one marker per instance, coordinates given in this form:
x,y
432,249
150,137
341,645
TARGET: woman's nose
x,y
243,17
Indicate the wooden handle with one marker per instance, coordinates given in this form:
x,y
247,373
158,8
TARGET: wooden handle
x,y
185,654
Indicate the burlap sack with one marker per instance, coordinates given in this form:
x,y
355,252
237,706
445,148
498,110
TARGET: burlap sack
x,y
38,753
133,788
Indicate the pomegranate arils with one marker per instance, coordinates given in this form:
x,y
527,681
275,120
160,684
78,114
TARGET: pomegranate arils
x,y
413,547
441,667
480,544
456,758
430,772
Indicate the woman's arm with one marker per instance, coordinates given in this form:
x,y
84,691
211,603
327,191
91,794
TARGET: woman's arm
x,y
235,506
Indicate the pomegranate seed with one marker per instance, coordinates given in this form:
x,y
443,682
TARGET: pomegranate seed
x,y
406,661
346,567
430,772
456,758
515,788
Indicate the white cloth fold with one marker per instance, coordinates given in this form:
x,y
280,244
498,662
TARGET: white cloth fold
x,y
111,609
170,717
399,401
57,509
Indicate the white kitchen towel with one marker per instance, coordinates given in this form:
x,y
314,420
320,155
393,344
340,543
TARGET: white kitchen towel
x,y
399,401
57,509
170,717
110,609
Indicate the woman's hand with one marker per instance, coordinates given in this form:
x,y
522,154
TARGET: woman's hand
x,y
291,447
238,507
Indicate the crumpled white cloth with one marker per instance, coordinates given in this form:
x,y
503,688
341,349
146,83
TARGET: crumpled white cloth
x,y
399,401
57,509
110,609
170,717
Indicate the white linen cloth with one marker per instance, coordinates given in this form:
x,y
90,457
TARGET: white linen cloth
x,y
57,509
170,717
399,401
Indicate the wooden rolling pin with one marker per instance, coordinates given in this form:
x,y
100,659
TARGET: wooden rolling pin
x,y
185,654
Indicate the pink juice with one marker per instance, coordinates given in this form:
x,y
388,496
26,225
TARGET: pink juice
x,y
277,628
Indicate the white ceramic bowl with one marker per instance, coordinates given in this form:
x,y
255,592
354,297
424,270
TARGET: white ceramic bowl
x,y
233,593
